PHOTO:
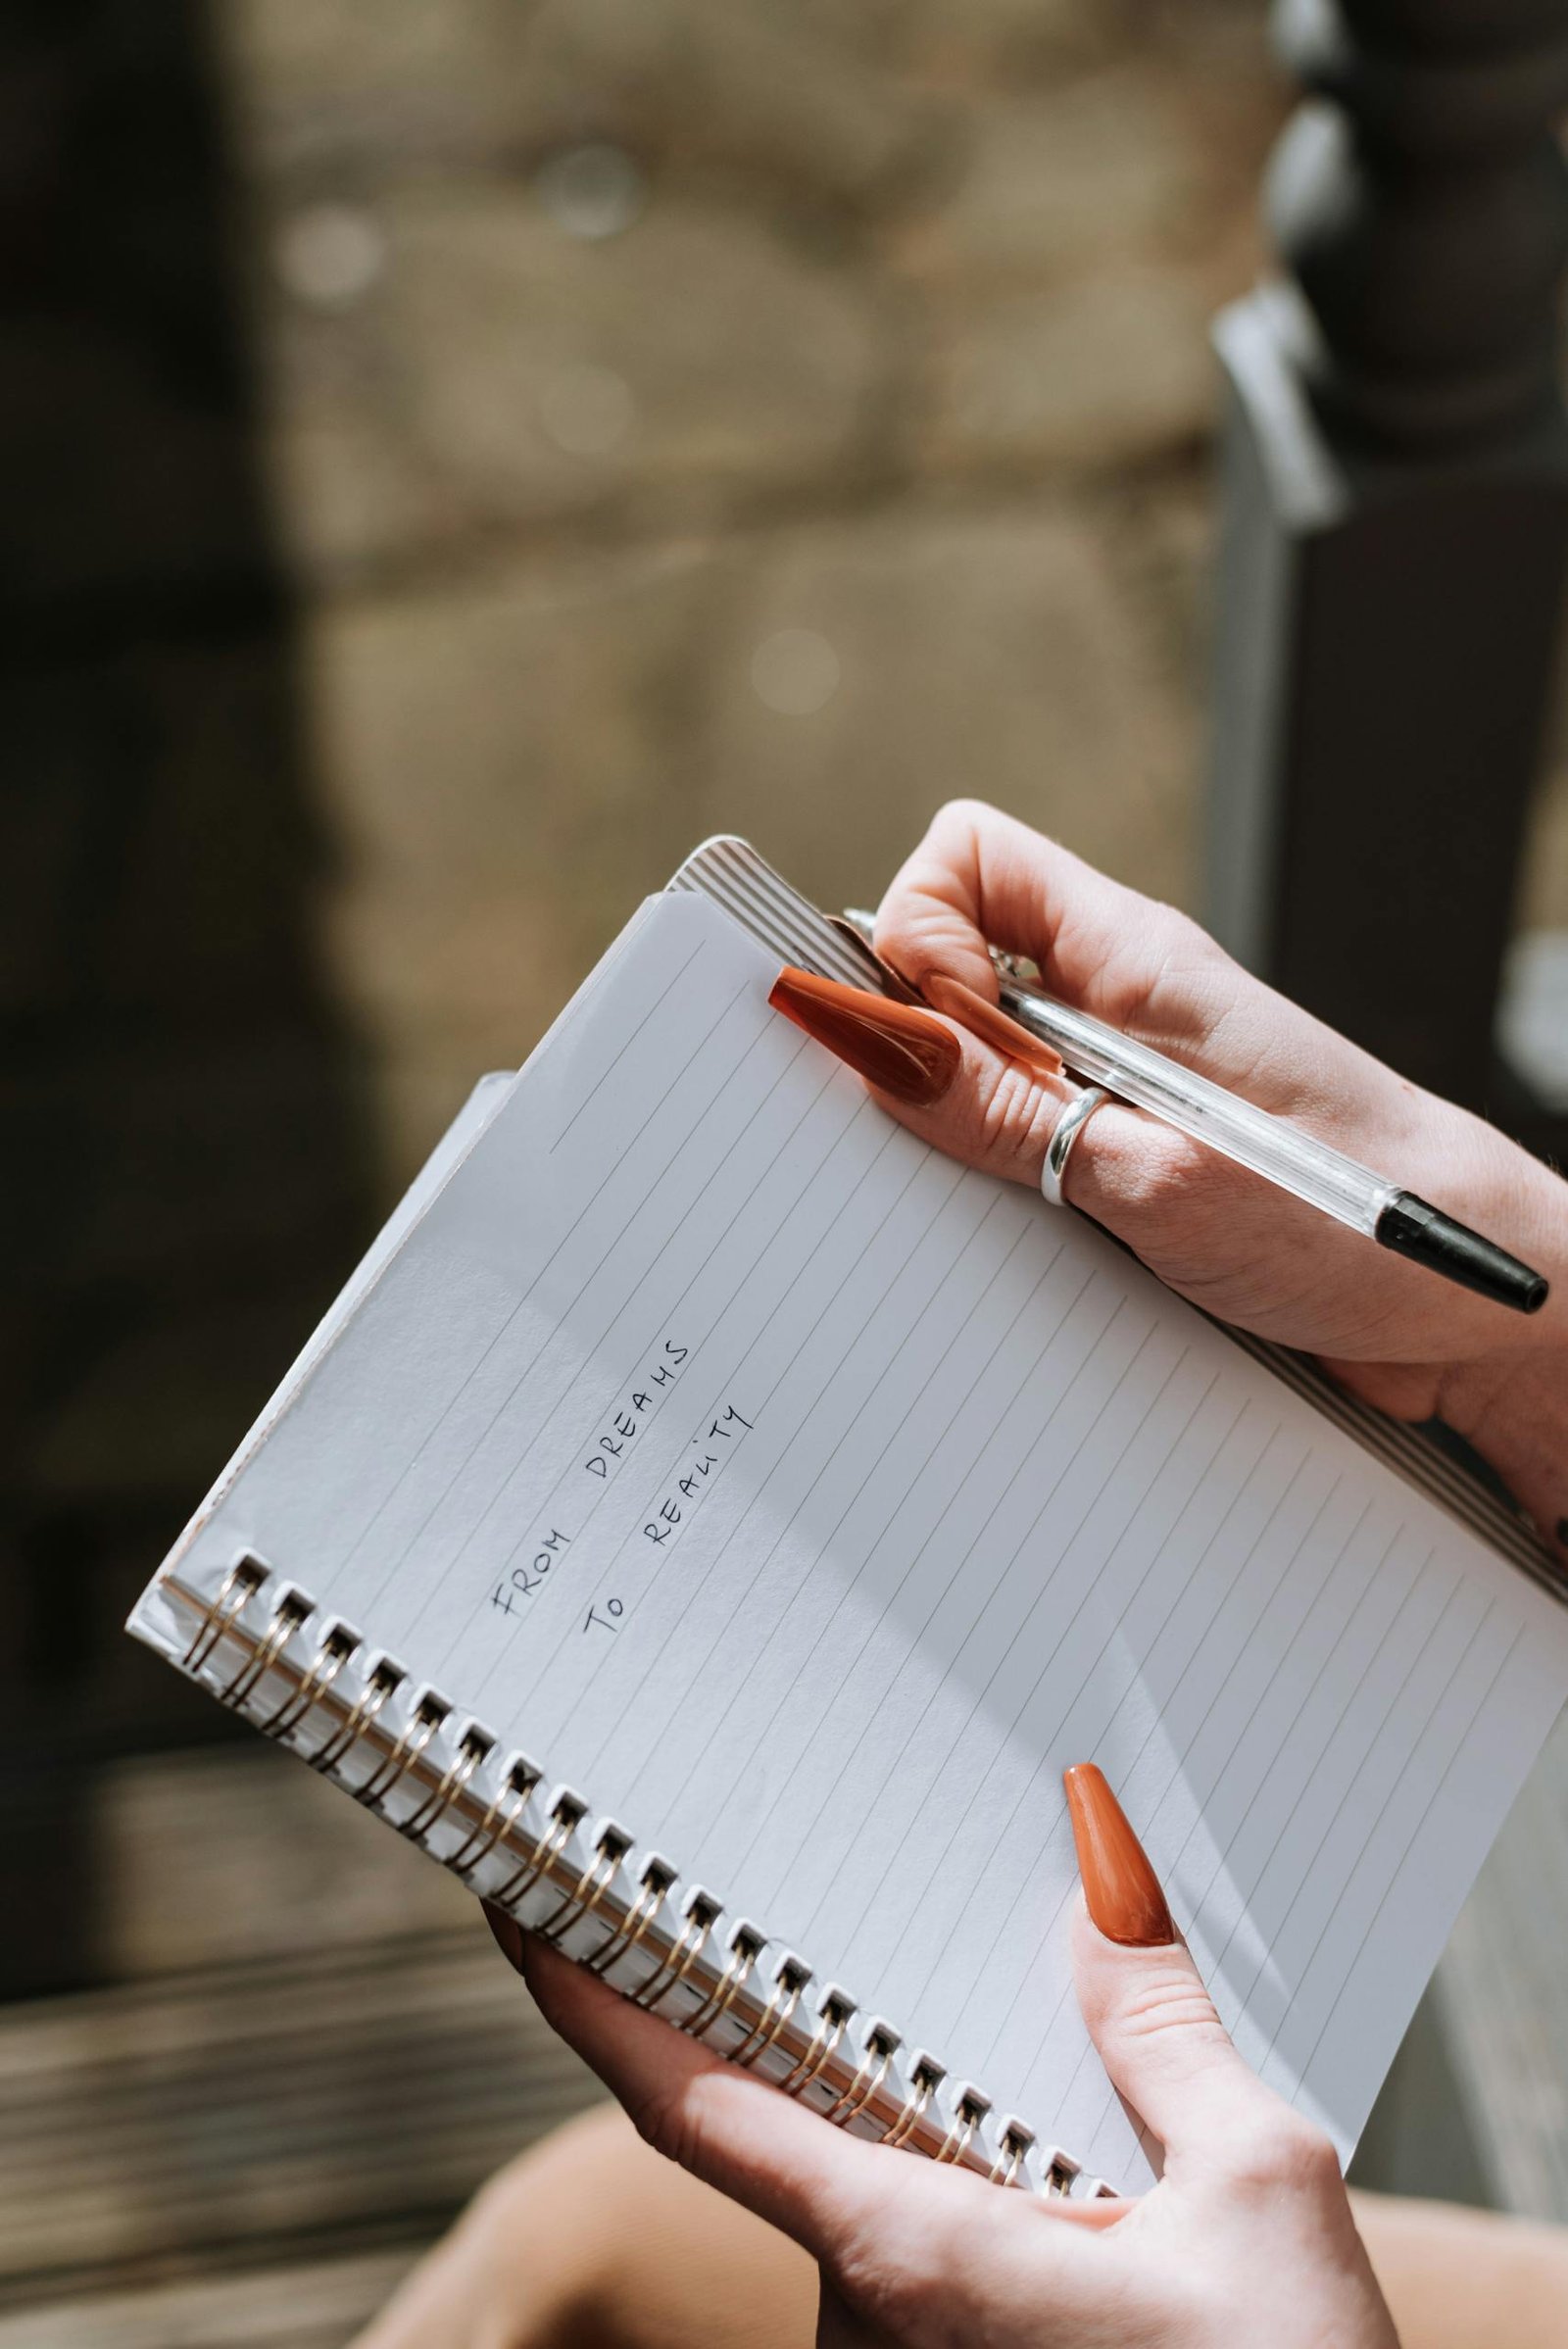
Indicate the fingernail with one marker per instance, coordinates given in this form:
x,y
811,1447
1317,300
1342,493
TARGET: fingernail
x,y
989,1023
507,1933
896,1047
1121,1889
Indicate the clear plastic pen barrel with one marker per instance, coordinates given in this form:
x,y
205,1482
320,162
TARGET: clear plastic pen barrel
x,y
1325,1177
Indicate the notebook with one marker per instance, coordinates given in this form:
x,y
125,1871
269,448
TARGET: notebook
x,y
710,1520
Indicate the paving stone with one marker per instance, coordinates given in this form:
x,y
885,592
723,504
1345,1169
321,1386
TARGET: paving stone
x,y
1161,536
1052,184
1067,281
502,372
992,42
993,654
594,719
367,89
509,766
1108,370
741,357
494,371
786,92
335,85
239,1856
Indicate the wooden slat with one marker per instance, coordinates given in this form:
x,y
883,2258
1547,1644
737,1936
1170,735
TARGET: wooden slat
x,y
352,2095
209,1859
316,2305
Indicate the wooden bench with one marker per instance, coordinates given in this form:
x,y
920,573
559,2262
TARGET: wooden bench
x,y
242,2142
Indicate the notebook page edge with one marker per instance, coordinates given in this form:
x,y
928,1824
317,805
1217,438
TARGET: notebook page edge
x,y
150,1619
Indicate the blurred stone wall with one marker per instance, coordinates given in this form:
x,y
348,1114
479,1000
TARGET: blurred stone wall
x,y
772,416
456,454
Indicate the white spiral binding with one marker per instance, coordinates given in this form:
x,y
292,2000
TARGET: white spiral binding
x,y
669,1949
791,1980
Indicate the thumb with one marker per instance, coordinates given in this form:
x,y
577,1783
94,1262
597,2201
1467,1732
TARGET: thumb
x,y
1165,2049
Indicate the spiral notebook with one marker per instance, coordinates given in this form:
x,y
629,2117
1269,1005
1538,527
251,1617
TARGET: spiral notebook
x,y
710,1520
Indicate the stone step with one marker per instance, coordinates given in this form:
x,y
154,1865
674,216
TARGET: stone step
x,y
317,2304
313,2048
264,2110
224,1857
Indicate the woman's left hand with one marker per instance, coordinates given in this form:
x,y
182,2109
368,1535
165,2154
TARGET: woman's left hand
x,y
1248,2236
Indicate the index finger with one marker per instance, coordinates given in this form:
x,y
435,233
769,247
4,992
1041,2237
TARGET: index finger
x,y
815,2182
980,878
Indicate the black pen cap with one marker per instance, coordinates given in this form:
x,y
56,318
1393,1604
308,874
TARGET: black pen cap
x,y
1412,1228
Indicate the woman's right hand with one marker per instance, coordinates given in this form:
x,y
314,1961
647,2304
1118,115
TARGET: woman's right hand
x,y
1405,1340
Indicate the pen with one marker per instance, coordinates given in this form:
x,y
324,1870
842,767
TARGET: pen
x,y
1270,1147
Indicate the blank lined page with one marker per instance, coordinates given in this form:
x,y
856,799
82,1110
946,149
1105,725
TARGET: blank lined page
x,y
809,1502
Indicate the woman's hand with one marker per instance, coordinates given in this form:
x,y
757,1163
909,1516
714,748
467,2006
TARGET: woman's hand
x,y
1247,2238
1396,1334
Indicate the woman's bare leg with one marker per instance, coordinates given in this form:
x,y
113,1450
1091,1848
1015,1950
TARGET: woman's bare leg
x,y
1461,2279
591,2241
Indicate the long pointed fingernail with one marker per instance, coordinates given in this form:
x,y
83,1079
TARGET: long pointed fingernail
x,y
897,1047
507,1933
989,1023
1121,1889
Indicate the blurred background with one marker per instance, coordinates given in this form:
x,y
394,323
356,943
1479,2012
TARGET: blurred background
x,y
455,455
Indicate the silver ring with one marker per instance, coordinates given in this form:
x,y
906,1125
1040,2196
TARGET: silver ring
x,y
1070,1125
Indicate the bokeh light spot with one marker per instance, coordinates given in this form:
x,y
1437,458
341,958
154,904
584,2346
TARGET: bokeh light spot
x,y
593,191
795,672
329,255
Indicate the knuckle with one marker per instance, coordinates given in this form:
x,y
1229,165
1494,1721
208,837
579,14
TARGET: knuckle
x,y
969,835
1169,2005
905,2269
879,2279
1169,1167
877,2285
1283,2152
1163,979
1164,1191
1014,1115
665,2117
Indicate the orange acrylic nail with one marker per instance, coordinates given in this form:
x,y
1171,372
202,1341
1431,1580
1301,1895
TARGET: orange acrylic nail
x,y
897,1047
1120,1887
989,1023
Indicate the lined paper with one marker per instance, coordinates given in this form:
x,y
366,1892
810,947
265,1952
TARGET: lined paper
x,y
809,1502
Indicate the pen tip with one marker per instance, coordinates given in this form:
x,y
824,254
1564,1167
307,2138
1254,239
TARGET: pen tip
x,y
1413,1228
